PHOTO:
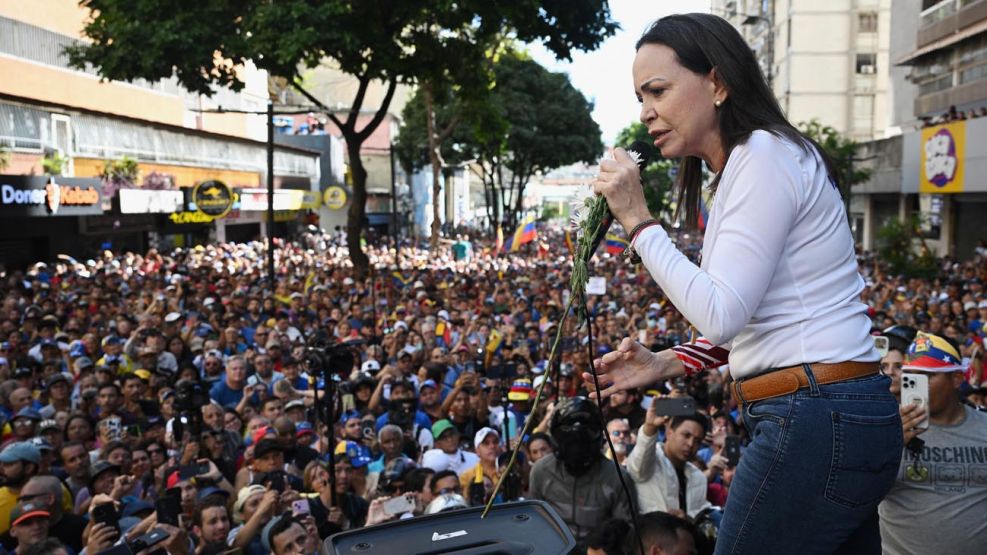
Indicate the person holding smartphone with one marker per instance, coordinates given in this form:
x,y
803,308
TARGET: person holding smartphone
x,y
776,294
938,500
664,476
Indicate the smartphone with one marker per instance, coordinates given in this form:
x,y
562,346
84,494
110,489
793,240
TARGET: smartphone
x,y
300,507
276,479
677,406
150,539
731,450
167,508
399,505
134,430
915,391
107,514
882,344
189,471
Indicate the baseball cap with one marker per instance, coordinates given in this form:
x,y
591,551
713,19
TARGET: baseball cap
x,y
172,317
482,434
42,444
265,446
23,372
370,366
442,426
213,490
55,378
352,450
244,495
265,535
428,383
99,467
28,412
296,403
520,390
26,511
303,428
931,353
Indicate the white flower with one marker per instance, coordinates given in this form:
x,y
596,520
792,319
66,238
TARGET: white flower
x,y
579,208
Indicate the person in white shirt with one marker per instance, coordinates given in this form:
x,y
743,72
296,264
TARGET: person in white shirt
x,y
447,455
663,476
776,295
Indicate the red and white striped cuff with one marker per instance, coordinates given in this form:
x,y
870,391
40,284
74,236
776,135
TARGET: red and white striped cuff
x,y
700,355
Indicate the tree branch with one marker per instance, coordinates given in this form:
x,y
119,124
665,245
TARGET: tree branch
x,y
332,117
381,112
449,129
361,93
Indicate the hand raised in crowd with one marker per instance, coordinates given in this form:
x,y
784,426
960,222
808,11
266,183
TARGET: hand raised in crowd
x,y
653,421
122,485
101,537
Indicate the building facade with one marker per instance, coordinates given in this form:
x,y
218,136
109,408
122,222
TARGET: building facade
x,y
824,59
66,123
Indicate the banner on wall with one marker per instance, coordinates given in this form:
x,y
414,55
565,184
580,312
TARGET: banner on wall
x,y
943,158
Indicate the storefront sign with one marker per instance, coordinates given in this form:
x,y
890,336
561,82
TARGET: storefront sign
x,y
190,218
335,198
943,158
140,201
213,198
49,196
255,200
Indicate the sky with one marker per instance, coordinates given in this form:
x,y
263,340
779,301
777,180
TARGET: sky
x,y
604,75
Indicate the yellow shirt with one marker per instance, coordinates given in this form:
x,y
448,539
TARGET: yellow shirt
x,y
8,499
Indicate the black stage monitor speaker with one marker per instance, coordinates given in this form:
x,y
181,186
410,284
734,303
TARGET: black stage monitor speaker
x,y
523,527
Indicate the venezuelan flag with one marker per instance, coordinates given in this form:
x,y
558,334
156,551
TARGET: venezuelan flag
x,y
493,346
615,244
309,282
400,281
568,243
525,233
443,334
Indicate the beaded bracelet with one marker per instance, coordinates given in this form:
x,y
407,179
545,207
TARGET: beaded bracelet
x,y
629,252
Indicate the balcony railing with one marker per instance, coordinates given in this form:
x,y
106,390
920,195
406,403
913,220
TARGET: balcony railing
x,y
938,12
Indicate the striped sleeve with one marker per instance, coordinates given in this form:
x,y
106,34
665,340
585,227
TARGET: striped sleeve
x,y
700,355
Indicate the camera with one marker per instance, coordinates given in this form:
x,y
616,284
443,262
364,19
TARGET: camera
x,y
190,397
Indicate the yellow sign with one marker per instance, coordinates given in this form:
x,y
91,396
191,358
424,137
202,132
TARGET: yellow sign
x,y
190,218
943,157
311,200
213,198
335,197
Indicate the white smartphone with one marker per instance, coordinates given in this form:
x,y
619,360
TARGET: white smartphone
x,y
399,505
300,507
915,391
882,345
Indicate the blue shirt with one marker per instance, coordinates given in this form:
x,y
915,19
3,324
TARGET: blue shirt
x,y
225,395
421,419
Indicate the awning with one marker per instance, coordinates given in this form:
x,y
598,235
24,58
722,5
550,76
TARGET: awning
x,y
950,40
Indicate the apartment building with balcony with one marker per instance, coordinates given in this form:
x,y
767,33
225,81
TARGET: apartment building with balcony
x,y
824,59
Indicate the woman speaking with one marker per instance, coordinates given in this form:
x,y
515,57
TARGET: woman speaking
x,y
776,293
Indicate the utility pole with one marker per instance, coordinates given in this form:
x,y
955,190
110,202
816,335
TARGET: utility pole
x,y
270,195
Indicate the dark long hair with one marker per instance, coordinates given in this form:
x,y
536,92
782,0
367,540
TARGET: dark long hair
x,y
702,42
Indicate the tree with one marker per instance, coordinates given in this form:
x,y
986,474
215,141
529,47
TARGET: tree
x,y
902,245
206,44
656,177
841,150
532,121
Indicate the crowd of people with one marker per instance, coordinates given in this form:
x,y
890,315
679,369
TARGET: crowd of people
x,y
182,392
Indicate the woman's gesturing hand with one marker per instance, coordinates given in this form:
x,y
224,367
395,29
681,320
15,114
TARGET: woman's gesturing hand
x,y
631,366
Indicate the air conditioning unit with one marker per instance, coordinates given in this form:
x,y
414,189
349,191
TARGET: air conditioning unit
x,y
867,69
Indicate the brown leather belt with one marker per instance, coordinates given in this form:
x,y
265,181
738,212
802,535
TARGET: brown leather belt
x,y
784,381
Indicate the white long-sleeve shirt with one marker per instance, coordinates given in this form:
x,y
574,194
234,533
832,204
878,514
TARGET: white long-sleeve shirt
x,y
778,276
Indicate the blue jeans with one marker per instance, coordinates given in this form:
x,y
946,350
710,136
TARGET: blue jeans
x,y
819,462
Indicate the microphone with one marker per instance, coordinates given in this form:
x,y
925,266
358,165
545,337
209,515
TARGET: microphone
x,y
642,152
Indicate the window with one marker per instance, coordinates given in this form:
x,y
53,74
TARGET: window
x,y
867,22
867,64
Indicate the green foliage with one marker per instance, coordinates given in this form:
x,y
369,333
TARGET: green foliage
x,y
53,163
840,148
896,246
658,184
550,212
124,171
